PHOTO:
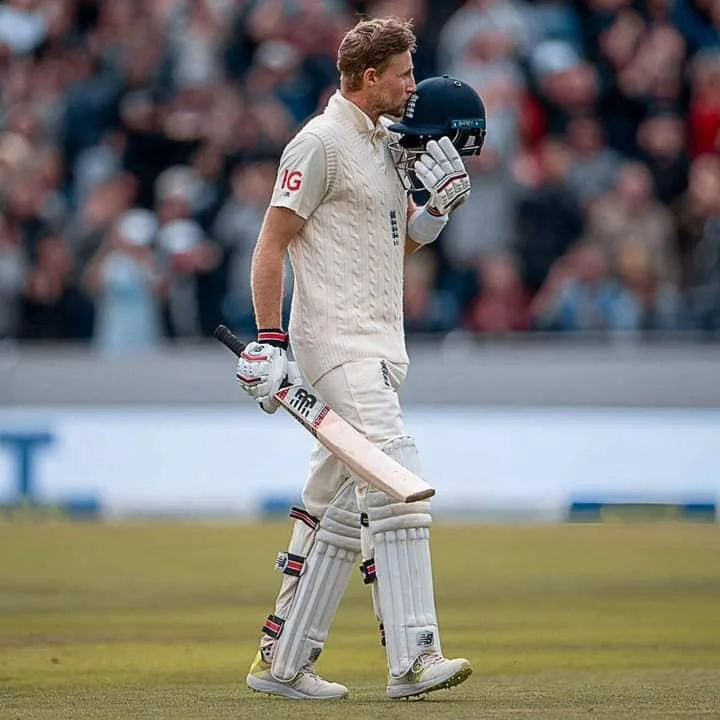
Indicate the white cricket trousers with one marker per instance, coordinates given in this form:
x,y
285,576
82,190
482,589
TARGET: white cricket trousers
x,y
365,393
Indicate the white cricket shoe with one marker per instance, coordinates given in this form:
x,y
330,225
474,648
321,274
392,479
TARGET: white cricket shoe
x,y
306,685
429,672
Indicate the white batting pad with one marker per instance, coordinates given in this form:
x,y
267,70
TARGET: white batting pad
x,y
401,533
325,575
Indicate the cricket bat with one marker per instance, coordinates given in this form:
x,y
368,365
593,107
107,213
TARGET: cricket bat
x,y
360,456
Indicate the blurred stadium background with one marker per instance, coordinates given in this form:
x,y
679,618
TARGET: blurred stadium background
x,y
563,330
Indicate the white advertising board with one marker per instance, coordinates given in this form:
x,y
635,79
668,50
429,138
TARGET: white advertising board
x,y
190,460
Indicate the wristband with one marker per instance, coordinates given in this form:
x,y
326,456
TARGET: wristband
x,y
424,226
273,336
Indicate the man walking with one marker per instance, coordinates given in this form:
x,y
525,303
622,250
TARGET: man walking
x,y
341,210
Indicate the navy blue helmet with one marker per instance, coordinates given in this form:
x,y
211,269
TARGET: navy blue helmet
x,y
439,106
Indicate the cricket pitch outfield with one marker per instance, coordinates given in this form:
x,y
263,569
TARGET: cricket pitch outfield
x,y
160,621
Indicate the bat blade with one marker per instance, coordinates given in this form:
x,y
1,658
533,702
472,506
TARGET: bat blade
x,y
362,458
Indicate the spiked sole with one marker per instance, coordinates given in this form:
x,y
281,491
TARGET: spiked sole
x,y
455,679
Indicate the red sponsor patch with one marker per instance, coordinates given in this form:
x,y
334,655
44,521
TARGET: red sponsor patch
x,y
291,179
321,416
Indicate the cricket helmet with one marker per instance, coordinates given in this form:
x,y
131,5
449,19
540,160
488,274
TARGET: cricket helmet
x,y
439,106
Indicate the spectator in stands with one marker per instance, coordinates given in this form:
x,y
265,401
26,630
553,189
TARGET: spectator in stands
x,y
651,304
555,20
189,256
13,267
23,207
704,294
549,217
196,33
508,18
53,308
663,150
124,279
485,224
704,118
424,58
630,214
693,209
580,295
104,204
566,84
594,165
614,38
502,305
428,310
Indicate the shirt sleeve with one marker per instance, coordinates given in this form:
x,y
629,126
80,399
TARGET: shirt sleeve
x,y
301,181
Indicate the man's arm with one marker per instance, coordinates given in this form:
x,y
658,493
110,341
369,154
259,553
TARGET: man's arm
x,y
279,227
299,187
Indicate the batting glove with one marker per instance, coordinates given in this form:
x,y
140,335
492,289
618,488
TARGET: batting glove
x,y
262,368
441,171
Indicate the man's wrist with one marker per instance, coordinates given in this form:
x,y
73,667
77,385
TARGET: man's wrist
x,y
273,336
424,226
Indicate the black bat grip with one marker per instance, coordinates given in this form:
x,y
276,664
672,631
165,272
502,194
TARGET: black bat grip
x,y
229,339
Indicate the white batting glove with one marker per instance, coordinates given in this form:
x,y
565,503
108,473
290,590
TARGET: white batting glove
x,y
262,368
442,172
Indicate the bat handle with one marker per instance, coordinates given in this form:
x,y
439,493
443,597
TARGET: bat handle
x,y
229,339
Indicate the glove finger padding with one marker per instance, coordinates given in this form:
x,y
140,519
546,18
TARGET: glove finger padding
x,y
442,173
426,171
452,154
440,157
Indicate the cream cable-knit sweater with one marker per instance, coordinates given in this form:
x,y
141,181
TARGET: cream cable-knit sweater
x,y
348,260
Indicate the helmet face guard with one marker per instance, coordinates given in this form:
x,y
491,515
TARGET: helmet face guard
x,y
440,107
468,141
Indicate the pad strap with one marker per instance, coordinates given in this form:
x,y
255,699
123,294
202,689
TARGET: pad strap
x,y
272,627
290,564
367,570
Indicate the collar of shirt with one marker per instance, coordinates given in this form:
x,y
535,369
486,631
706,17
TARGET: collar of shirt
x,y
359,118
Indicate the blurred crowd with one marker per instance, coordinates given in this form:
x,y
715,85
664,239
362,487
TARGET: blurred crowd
x,y
139,143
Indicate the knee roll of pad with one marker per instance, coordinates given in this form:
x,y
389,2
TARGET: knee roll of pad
x,y
340,527
404,450
384,513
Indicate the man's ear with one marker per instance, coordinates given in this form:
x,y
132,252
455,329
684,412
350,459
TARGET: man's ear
x,y
370,76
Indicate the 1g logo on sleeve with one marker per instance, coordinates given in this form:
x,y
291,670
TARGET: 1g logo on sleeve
x,y
291,180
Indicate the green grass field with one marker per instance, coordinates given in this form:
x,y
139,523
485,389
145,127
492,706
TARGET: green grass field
x,y
160,621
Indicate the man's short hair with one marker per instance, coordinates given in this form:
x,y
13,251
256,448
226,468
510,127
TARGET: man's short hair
x,y
371,44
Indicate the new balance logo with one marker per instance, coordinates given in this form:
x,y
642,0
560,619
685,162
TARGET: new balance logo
x,y
425,638
303,401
